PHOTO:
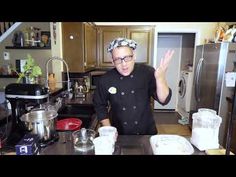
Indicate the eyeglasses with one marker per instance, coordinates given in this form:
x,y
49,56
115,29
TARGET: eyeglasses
x,y
118,60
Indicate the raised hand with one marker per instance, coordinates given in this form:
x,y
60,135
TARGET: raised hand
x,y
161,70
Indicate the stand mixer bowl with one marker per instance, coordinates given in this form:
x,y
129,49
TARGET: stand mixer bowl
x,y
42,123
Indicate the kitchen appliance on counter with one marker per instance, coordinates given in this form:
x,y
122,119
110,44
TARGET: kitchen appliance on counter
x,y
94,77
42,123
79,88
22,98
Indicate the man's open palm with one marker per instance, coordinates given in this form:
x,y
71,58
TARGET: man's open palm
x,y
161,70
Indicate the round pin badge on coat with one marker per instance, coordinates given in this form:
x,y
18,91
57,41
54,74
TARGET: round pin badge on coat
x,y
112,90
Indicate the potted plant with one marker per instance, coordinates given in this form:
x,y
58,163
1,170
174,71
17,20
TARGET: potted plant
x,y
31,71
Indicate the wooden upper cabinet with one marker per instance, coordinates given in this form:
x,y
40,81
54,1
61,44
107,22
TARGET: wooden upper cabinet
x,y
79,41
143,35
90,46
105,35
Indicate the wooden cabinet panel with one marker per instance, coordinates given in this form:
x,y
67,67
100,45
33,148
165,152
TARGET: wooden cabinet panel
x,y
79,45
143,35
106,35
72,45
90,46
85,46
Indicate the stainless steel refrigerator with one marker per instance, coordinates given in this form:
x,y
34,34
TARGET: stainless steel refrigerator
x,y
211,62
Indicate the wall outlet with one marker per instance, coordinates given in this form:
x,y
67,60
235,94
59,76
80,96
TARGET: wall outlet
x,y
6,55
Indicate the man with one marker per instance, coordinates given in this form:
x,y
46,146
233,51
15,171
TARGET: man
x,y
127,89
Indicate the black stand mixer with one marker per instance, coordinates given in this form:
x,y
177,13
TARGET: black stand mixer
x,y
22,97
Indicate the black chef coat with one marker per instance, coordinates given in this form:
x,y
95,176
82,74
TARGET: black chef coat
x,y
128,98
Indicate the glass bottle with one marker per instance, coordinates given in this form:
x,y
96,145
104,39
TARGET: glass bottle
x,y
26,37
32,36
87,83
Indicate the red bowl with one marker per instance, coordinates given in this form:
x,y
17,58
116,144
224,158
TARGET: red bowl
x,y
68,124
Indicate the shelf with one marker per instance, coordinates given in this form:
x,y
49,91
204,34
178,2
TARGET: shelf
x,y
30,48
8,76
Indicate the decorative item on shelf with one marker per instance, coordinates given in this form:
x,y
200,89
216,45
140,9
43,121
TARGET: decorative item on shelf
x,y
54,32
230,34
219,34
45,39
26,37
5,69
4,27
31,72
18,39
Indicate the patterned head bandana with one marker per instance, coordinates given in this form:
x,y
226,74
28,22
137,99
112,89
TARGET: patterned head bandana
x,y
118,42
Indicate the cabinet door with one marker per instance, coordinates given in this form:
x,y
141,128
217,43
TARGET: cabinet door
x,y
90,46
72,44
144,36
106,34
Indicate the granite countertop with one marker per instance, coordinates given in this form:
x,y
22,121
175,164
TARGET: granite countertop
x,y
125,145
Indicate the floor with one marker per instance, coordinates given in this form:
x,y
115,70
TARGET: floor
x,y
167,123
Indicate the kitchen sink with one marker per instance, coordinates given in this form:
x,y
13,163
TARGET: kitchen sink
x,y
86,113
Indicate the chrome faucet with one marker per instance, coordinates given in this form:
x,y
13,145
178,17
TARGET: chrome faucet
x,y
67,71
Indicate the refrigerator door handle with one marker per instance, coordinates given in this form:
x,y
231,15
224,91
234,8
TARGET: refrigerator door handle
x,y
196,80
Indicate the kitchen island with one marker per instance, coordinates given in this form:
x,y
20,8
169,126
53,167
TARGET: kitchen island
x,y
125,145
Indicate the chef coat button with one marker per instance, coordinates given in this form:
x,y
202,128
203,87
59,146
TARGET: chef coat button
x,y
122,93
134,107
121,78
136,122
132,91
131,75
123,108
125,123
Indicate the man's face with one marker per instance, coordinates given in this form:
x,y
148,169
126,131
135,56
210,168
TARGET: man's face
x,y
123,59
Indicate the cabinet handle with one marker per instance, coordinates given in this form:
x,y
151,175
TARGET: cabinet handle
x,y
71,37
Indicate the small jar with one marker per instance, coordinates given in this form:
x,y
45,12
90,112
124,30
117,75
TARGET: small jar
x,y
52,81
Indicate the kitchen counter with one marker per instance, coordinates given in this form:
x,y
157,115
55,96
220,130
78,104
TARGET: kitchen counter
x,y
78,107
125,145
